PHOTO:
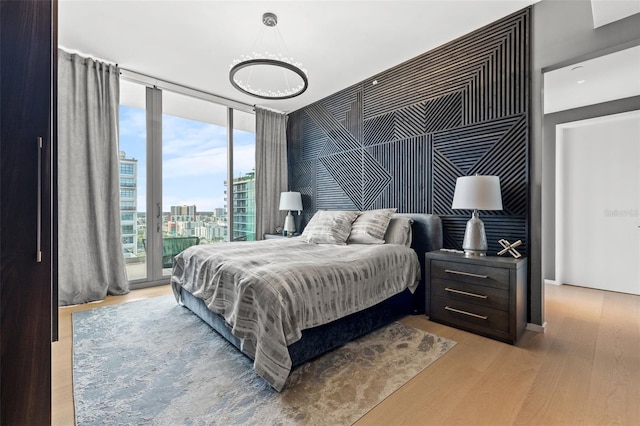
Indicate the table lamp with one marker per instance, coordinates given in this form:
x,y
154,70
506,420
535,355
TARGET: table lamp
x,y
290,201
476,193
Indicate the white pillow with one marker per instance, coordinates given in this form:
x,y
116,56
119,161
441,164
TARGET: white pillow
x,y
399,231
370,226
329,227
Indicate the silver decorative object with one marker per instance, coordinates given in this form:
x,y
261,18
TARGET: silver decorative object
x,y
511,248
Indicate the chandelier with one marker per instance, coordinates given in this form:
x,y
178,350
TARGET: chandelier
x,y
268,75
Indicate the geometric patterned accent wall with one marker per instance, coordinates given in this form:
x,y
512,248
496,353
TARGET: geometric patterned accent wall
x,y
402,137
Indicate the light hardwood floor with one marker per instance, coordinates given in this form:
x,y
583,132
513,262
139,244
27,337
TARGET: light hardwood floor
x,y
584,370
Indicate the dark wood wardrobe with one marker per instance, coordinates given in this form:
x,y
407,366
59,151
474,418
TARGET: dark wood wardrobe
x,y
28,297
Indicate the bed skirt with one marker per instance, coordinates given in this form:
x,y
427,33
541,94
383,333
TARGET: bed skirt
x,y
318,340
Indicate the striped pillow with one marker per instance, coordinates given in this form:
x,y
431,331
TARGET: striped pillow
x,y
329,227
370,226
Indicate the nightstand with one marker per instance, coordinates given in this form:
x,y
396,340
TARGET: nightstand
x,y
484,295
273,236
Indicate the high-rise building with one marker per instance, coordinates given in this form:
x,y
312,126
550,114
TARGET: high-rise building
x,y
128,204
183,213
220,212
244,207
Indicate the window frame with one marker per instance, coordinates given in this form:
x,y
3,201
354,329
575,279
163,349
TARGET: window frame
x,y
154,214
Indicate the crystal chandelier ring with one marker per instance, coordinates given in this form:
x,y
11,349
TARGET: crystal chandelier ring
x,y
268,94
267,75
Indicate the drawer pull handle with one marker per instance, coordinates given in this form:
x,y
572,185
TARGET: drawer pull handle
x,y
465,293
482,317
467,274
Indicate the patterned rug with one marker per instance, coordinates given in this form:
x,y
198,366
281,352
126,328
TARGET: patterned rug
x,y
154,362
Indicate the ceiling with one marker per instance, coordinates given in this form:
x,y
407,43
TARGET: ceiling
x,y
340,43
608,11
602,79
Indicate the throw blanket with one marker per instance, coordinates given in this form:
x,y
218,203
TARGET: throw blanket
x,y
269,291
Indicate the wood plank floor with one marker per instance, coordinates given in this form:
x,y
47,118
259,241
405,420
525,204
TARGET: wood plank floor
x,y
584,370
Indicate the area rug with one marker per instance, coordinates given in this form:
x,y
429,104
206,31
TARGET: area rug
x,y
154,362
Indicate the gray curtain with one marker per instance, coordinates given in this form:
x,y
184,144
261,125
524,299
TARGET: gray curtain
x,y
271,169
90,259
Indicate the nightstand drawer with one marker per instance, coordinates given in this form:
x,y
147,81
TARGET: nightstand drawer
x,y
480,319
473,274
490,297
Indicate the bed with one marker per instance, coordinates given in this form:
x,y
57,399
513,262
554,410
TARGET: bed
x,y
285,301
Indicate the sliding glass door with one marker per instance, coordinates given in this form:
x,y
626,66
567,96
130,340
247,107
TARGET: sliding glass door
x,y
133,186
177,164
194,169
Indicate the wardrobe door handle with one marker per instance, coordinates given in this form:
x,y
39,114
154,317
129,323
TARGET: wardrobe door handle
x,y
39,205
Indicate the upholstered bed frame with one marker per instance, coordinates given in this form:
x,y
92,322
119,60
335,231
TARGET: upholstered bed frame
x,y
426,236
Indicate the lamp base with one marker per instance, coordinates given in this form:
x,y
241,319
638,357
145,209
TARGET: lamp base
x,y
475,239
289,225
474,253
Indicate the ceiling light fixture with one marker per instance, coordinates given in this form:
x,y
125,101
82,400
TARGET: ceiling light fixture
x,y
268,75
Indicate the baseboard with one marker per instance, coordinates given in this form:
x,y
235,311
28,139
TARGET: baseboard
x,y
537,328
546,281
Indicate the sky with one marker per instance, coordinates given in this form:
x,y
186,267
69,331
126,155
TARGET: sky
x,y
194,157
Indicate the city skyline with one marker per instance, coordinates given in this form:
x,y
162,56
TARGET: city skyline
x,y
194,158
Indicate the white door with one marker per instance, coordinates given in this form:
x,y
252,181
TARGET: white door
x,y
598,202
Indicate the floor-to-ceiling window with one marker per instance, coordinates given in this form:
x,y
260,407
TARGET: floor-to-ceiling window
x,y
175,164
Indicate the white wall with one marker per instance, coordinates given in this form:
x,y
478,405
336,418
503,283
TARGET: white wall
x,y
598,201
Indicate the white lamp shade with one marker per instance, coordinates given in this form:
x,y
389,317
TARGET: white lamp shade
x,y
477,193
290,201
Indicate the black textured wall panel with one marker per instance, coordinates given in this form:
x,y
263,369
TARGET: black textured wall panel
x,y
402,137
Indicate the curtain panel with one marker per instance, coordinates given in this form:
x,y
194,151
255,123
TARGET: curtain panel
x,y
90,260
271,169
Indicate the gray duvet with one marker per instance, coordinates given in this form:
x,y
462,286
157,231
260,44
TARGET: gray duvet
x,y
269,291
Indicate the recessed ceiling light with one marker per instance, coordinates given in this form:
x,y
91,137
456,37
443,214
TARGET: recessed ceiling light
x,y
578,73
